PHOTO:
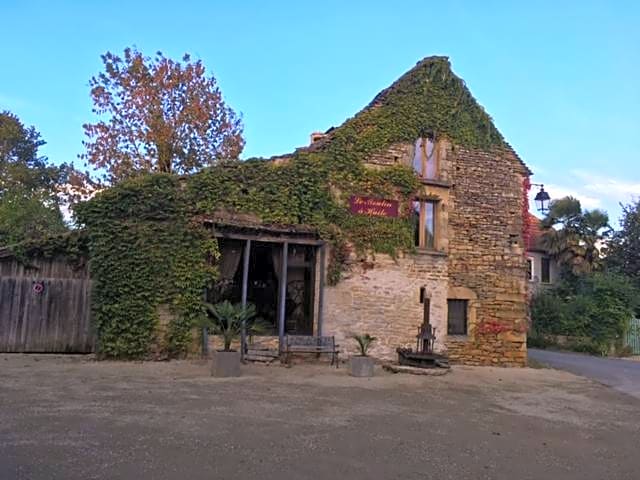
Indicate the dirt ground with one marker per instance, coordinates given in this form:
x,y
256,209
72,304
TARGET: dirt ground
x,y
73,418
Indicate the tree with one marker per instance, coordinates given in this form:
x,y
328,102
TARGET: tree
x,y
21,167
24,217
29,184
574,237
160,115
624,249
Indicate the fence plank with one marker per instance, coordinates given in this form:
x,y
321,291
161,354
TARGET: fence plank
x,y
57,320
633,336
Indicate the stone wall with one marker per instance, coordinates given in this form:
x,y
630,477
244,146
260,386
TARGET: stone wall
x,y
480,259
384,302
486,255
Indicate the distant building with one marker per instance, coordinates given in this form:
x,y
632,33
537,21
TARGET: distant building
x,y
542,268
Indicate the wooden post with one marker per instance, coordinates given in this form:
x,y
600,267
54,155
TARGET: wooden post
x,y
282,291
245,281
321,289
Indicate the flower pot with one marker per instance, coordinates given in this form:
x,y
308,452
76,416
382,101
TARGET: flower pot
x,y
225,364
361,366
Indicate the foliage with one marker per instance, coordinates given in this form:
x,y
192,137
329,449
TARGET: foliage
x,y
576,237
624,248
29,185
364,342
598,306
160,115
228,320
21,166
536,340
145,252
24,218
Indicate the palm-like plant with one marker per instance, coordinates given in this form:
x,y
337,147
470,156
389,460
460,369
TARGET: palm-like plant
x,y
364,342
575,244
227,320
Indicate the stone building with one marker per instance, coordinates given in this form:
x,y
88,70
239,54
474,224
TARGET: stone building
x,y
412,212
469,256
542,268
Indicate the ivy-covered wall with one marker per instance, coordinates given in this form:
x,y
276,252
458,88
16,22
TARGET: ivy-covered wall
x,y
147,248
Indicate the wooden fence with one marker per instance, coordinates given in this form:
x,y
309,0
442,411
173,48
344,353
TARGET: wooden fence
x,y
633,336
45,307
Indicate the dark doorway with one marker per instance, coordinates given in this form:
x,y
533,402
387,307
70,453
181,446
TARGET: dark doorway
x,y
263,281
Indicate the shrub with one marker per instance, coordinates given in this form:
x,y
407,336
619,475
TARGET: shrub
x,y
535,340
598,306
364,343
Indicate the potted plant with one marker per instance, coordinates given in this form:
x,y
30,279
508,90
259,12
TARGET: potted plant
x,y
362,365
227,320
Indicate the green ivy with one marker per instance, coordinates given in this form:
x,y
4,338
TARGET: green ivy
x,y
147,248
145,252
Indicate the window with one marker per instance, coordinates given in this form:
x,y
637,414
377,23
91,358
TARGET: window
x,y
457,317
545,270
425,160
529,269
424,217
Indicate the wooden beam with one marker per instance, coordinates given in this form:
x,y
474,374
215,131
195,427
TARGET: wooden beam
x,y
323,256
245,282
282,291
268,238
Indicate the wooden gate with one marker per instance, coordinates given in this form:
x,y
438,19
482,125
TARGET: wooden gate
x,y
44,308
633,336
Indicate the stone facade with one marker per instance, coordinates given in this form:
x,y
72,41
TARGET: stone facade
x,y
478,257
470,261
384,301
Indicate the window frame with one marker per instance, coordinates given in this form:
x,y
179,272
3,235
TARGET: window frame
x,y
423,143
531,272
466,304
547,261
422,217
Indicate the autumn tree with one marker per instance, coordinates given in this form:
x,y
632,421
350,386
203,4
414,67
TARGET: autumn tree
x,y
30,185
158,115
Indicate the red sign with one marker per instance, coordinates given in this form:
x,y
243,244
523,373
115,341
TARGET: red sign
x,y
374,207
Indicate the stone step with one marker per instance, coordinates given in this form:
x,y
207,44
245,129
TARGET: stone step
x,y
259,358
264,352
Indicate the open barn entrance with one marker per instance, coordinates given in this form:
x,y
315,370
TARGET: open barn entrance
x,y
263,283
277,269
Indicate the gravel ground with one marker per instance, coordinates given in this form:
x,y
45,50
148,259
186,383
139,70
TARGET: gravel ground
x,y
73,418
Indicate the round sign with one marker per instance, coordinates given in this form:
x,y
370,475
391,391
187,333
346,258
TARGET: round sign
x,y
38,287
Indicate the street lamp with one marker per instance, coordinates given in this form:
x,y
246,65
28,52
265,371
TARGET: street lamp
x,y
542,199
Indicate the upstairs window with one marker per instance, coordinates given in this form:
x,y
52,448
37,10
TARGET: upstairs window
x,y
425,161
424,215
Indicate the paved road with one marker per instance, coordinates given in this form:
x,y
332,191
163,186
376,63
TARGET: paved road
x,y
623,375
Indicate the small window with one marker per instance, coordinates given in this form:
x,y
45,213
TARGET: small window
x,y
457,317
425,158
529,269
424,220
545,270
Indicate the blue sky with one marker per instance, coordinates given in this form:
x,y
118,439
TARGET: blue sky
x,y
559,78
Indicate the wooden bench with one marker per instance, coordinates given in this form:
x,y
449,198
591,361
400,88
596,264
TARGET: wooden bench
x,y
311,344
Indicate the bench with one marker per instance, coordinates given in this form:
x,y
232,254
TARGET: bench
x,y
310,344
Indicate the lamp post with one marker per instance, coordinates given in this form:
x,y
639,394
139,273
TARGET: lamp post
x,y
542,199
